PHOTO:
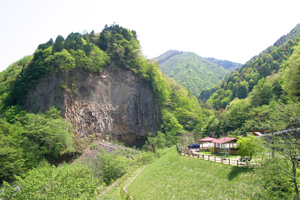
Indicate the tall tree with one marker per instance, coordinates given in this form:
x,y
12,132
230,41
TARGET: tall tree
x,y
59,44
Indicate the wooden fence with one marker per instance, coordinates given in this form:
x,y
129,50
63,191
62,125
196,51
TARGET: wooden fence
x,y
223,160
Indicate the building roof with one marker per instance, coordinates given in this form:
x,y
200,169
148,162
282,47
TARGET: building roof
x,y
257,134
207,139
224,140
218,141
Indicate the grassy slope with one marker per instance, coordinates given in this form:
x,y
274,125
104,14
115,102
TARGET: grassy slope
x,y
179,177
115,192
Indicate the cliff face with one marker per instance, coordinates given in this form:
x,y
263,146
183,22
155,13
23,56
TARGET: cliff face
x,y
115,102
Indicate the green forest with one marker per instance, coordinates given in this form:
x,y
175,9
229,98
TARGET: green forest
x,y
30,139
37,148
202,73
260,93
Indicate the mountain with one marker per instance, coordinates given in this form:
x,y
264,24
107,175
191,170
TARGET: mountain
x,y
239,83
225,64
102,85
289,37
192,71
82,87
261,95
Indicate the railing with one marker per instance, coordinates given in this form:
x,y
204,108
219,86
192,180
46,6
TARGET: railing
x,y
223,160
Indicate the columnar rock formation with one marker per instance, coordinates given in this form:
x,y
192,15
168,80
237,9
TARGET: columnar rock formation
x,y
115,102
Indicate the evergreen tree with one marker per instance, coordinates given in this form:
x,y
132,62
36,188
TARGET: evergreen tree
x,y
59,44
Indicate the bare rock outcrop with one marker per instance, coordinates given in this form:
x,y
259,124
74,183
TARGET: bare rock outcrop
x,y
115,102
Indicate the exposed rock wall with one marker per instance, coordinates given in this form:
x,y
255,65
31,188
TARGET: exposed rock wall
x,y
115,102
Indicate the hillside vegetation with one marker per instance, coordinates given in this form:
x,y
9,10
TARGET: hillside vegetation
x,y
179,177
91,52
262,95
192,71
240,83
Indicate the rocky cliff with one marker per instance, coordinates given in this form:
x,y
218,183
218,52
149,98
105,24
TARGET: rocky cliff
x,y
115,102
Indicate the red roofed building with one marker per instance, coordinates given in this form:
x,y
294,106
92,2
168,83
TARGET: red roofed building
x,y
205,143
221,145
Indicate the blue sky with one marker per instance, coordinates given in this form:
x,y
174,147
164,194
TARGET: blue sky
x,y
235,30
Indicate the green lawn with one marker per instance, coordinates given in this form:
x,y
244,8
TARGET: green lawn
x,y
115,191
180,177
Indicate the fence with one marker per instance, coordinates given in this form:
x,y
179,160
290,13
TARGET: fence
x,y
228,161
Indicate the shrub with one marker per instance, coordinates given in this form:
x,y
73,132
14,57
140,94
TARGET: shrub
x,y
50,182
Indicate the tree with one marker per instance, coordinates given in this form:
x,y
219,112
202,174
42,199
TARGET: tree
x,y
291,77
74,41
251,146
59,44
284,163
262,93
285,151
63,60
109,166
243,90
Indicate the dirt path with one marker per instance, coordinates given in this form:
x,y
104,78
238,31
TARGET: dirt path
x,y
125,187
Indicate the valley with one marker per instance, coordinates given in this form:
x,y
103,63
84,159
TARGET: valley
x,y
84,114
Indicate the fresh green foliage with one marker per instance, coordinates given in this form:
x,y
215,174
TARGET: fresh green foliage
x,y
289,37
283,162
109,166
225,64
27,138
115,46
61,56
120,44
49,182
291,77
267,86
251,146
190,70
240,83
9,76
179,177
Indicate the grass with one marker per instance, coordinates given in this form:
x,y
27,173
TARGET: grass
x,y
115,192
180,177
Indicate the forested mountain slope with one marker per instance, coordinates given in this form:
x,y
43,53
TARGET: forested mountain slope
x,y
88,78
192,71
262,95
242,81
225,64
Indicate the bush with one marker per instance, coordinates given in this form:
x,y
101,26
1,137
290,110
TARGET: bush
x,y
109,166
30,138
50,182
146,157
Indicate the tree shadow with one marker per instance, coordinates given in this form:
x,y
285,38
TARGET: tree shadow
x,y
236,171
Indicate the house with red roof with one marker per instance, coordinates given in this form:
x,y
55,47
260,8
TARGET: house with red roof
x,y
205,143
222,145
